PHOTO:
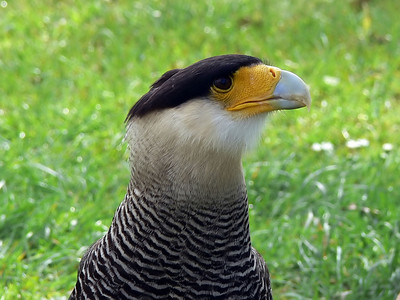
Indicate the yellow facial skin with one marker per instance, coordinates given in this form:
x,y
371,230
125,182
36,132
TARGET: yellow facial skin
x,y
254,90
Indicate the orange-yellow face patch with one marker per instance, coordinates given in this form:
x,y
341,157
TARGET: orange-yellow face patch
x,y
251,87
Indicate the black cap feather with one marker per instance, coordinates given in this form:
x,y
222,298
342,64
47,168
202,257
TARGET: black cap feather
x,y
180,85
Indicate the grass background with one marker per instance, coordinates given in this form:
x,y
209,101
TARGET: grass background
x,y
325,214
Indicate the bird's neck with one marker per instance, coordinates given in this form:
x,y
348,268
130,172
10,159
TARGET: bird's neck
x,y
201,204
195,198
187,180
190,174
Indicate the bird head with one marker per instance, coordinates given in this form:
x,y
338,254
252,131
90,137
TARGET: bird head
x,y
219,104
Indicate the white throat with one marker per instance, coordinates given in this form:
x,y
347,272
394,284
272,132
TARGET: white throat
x,y
196,147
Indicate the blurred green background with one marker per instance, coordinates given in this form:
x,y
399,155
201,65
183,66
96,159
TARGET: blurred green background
x,y
323,185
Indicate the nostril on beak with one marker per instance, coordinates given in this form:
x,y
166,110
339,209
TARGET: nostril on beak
x,y
272,71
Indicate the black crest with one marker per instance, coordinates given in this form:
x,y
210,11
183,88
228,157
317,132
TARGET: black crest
x,y
180,85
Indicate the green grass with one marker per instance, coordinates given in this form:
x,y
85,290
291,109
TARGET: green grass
x,y
327,222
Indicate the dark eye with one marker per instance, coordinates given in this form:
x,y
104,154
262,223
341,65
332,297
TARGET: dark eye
x,y
223,84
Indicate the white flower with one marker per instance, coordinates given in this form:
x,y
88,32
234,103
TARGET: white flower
x,y
323,146
352,144
330,80
387,147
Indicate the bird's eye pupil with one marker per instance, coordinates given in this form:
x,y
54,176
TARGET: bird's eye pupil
x,y
223,83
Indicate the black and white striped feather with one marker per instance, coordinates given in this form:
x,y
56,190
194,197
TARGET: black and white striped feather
x,y
156,250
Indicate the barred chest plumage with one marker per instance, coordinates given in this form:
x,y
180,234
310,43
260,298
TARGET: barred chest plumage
x,y
158,249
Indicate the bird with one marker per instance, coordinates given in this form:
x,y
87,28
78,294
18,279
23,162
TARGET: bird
x,y
182,230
